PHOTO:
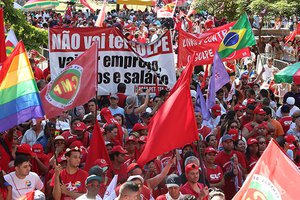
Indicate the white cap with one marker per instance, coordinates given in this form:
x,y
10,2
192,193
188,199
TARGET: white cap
x,y
290,100
130,178
194,94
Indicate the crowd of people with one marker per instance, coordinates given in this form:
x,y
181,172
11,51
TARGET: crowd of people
x,y
47,157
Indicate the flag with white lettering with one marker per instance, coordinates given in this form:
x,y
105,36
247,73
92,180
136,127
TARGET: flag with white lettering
x,y
75,86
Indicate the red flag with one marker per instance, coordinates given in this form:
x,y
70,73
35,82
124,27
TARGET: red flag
x,y
74,86
274,176
291,37
28,196
97,148
101,16
2,38
86,4
174,124
181,14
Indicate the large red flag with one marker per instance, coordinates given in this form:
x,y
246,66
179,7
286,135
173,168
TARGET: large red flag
x,y
274,176
2,38
174,124
101,16
74,86
97,148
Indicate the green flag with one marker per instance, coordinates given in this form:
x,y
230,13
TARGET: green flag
x,y
239,36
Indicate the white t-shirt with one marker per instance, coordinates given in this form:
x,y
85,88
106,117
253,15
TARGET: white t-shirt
x,y
84,197
268,73
20,187
30,137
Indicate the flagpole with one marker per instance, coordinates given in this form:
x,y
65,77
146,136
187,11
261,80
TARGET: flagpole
x,y
96,69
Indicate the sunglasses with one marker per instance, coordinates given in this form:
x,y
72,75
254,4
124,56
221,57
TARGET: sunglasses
x,y
262,142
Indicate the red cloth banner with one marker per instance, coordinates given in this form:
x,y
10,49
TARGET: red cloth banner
x,y
205,46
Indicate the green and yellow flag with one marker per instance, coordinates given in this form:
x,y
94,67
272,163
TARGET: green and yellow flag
x,y
239,36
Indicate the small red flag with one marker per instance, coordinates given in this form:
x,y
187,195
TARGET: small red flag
x,y
74,86
97,148
101,16
174,124
274,176
87,4
2,38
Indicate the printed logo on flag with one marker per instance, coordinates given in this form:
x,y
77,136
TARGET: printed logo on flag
x,y
262,188
64,89
232,39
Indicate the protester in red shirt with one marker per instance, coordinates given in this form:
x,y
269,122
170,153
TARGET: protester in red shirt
x,y
214,172
252,153
69,183
131,147
233,165
286,120
77,132
192,186
248,116
117,157
250,128
38,73
202,129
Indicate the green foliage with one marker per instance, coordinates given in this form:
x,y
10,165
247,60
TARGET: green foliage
x,y
32,37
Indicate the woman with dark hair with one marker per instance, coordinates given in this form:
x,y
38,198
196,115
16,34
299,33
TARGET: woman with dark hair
x,y
5,188
240,145
121,119
211,141
252,153
262,144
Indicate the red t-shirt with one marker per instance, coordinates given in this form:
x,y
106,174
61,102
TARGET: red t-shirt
x,y
69,137
215,174
122,173
250,128
286,123
187,189
244,120
204,131
73,182
122,99
251,163
38,73
224,160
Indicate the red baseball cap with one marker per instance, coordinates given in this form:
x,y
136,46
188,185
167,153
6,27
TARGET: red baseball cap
x,y
191,167
131,138
80,126
259,111
119,149
251,101
143,139
102,163
76,143
217,109
132,166
61,159
210,150
25,149
239,107
234,134
290,139
252,141
38,149
139,127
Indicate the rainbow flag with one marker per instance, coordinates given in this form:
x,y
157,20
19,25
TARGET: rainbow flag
x,y
10,42
19,95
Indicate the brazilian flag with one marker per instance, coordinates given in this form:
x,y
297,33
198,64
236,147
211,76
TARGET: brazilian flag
x,y
239,37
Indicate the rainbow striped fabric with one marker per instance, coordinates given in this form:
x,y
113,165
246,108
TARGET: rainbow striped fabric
x,y
19,95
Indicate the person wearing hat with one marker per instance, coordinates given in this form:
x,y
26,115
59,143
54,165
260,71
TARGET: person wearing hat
x,y
290,102
93,184
239,110
22,180
276,124
173,184
59,148
140,128
250,129
214,172
131,146
77,132
233,165
215,113
117,157
114,108
252,153
69,182
192,185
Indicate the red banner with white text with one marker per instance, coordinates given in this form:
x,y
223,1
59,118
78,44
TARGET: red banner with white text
x,y
205,46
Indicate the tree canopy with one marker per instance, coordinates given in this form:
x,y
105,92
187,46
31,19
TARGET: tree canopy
x,y
32,37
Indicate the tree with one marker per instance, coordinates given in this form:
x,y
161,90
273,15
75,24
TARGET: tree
x,y
33,37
